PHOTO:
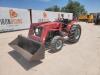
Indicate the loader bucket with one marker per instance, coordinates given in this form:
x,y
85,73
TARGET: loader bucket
x,y
29,49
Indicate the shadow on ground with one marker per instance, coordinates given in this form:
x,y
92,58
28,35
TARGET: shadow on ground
x,y
24,63
68,43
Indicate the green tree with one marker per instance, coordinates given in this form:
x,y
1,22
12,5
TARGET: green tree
x,y
74,7
53,8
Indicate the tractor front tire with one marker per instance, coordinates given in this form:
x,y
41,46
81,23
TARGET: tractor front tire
x,y
56,43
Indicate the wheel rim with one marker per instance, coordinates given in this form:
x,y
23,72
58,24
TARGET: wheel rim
x,y
59,44
77,33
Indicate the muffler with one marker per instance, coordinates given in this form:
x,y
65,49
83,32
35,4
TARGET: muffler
x,y
28,48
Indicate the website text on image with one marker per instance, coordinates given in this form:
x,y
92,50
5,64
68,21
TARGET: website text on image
x,y
14,19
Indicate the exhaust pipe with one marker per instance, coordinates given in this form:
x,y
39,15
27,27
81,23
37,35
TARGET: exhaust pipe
x,y
29,49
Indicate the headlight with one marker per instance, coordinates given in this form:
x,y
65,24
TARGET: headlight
x,y
37,31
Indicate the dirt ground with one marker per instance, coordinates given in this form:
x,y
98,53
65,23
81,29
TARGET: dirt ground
x,y
82,58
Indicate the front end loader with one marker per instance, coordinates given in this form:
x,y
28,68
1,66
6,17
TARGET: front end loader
x,y
29,49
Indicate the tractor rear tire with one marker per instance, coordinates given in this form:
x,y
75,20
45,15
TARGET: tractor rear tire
x,y
74,34
56,43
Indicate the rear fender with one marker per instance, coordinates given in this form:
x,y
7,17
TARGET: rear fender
x,y
70,25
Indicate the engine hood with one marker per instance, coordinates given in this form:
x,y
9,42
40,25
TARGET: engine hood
x,y
51,24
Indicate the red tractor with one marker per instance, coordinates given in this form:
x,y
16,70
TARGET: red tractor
x,y
43,35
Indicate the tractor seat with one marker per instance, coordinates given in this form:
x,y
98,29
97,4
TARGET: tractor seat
x,y
65,22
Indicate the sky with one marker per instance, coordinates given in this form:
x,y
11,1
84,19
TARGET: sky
x,y
90,5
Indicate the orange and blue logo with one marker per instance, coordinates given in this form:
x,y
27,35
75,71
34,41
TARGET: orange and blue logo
x,y
45,15
13,13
